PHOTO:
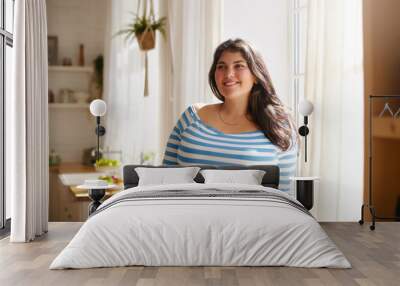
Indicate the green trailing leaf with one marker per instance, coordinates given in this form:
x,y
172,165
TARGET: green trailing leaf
x,y
141,24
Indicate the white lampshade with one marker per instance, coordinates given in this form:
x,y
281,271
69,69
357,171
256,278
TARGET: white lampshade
x,y
306,107
98,107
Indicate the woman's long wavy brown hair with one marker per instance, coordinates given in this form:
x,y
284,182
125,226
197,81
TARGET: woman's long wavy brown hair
x,y
265,108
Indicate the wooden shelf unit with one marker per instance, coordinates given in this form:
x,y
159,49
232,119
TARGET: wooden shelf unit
x,y
69,105
74,69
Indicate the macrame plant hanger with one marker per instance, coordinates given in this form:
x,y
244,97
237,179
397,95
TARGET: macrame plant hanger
x,y
147,39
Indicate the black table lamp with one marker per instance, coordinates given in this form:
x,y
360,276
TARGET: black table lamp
x,y
98,108
305,109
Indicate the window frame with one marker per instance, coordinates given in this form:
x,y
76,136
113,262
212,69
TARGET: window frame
x,y
6,39
297,7
298,41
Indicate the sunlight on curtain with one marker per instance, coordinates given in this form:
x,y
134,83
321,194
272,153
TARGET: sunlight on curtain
x,y
27,124
124,85
334,83
195,31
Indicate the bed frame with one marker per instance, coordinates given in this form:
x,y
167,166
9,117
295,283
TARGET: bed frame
x,y
270,179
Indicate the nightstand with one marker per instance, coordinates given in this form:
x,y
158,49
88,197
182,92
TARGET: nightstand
x,y
305,191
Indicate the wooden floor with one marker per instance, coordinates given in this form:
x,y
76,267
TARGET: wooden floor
x,y
375,257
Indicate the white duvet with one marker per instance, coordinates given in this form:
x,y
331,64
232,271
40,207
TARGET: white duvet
x,y
183,231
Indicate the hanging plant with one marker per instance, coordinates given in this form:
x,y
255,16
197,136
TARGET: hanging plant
x,y
144,27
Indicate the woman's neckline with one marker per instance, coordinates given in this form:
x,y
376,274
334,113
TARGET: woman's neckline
x,y
194,111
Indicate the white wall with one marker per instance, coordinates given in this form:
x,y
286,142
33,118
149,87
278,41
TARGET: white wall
x,y
264,23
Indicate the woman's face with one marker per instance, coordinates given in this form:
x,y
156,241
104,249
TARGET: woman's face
x,y
233,76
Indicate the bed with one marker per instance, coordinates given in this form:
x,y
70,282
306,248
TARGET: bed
x,y
201,224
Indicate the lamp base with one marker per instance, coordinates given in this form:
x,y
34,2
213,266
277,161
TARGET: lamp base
x,y
95,195
100,130
305,193
303,130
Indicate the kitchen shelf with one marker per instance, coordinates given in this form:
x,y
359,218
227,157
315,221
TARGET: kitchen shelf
x,y
69,105
74,69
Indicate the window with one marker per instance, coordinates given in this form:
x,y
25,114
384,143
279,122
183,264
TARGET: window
x,y
299,40
6,64
298,27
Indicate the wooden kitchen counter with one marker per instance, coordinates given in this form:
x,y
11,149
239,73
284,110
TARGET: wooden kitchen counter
x,y
72,168
67,203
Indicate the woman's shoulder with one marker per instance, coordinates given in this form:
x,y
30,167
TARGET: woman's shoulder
x,y
197,111
204,106
204,110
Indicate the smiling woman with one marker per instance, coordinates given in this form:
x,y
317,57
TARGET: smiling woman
x,y
249,127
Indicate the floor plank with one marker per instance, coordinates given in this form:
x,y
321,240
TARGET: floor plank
x,y
374,255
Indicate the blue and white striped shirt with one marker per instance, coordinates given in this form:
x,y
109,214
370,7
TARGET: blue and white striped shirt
x,y
192,142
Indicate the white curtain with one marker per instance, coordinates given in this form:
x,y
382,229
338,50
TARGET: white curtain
x,y
27,124
334,83
124,85
194,29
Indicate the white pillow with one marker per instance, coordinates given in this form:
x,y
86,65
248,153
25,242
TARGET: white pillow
x,y
248,177
165,176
